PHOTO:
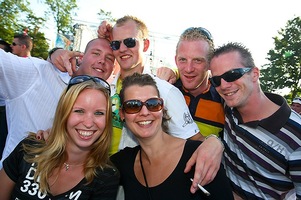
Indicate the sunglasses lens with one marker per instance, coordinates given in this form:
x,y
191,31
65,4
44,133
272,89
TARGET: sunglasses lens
x,y
232,75
229,76
154,105
115,45
130,42
132,106
215,81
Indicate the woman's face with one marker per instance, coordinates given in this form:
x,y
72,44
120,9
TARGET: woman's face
x,y
87,119
144,123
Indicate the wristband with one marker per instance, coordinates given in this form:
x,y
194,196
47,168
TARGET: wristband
x,y
212,135
52,51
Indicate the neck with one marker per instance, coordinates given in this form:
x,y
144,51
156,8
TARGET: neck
x,y
128,72
258,107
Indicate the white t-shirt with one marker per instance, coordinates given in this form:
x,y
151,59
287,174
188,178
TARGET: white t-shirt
x,y
31,88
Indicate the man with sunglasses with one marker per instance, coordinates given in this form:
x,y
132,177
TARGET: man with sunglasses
x,y
22,45
262,136
31,88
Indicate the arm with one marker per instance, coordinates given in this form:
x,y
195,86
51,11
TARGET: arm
x,y
207,159
64,60
6,185
168,74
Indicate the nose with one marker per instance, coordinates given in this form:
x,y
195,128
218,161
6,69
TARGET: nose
x,y
189,67
144,110
88,121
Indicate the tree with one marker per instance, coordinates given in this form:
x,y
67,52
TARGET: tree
x,y
284,70
10,20
40,44
61,11
103,15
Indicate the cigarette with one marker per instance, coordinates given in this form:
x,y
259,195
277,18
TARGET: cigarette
x,y
203,189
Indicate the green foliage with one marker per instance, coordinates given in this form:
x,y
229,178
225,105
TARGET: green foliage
x,y
103,15
10,21
61,11
284,70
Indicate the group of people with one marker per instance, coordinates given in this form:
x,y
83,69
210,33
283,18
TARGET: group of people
x,y
155,144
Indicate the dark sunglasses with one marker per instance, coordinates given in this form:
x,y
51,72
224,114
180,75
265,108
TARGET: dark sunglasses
x,y
202,30
15,44
83,78
134,106
229,76
128,42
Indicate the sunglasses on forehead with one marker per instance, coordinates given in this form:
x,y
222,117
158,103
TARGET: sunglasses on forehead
x,y
202,30
134,106
229,76
83,78
128,42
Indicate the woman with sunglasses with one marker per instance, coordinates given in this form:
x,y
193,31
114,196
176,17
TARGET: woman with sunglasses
x,y
74,162
154,170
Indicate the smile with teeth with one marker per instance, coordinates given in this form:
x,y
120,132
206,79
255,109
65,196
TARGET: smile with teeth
x,y
144,122
99,70
125,56
230,93
86,133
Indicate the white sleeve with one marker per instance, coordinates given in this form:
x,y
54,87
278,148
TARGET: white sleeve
x,y
181,123
17,75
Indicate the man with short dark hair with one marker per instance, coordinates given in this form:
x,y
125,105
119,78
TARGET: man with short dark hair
x,y
22,45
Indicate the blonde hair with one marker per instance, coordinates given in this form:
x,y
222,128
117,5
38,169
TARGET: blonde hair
x,y
141,26
51,154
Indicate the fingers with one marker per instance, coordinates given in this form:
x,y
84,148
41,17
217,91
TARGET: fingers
x,y
63,60
207,160
39,135
104,30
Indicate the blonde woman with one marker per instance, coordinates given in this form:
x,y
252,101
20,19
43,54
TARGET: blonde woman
x,y
74,162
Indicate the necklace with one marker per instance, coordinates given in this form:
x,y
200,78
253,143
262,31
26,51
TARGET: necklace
x,y
144,176
67,166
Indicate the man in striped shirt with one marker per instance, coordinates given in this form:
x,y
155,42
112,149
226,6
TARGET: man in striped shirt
x,y
262,135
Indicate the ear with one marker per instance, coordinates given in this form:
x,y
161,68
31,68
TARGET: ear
x,y
121,114
255,74
146,45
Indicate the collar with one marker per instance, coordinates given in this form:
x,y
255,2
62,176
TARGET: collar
x,y
273,123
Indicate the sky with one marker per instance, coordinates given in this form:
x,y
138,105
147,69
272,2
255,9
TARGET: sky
x,y
253,23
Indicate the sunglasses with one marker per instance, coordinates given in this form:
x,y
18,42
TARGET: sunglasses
x,y
229,76
134,106
202,30
83,78
15,44
128,42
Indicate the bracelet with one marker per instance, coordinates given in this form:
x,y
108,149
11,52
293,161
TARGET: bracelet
x,y
215,136
52,51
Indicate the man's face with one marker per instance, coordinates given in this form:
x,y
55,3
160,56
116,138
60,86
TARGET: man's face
x,y
192,63
98,60
17,47
129,59
236,93
296,107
